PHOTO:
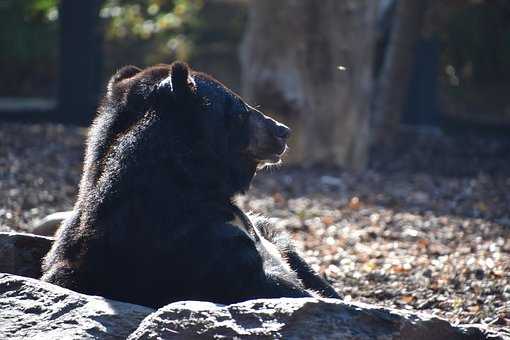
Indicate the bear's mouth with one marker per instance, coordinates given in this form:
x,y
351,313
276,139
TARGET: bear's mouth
x,y
281,148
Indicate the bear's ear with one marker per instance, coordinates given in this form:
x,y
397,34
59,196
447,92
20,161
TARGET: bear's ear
x,y
122,74
181,82
125,72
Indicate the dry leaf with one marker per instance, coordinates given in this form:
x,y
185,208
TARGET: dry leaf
x,y
474,309
354,203
407,299
327,220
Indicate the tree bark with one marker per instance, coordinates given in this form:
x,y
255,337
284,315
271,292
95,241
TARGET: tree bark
x,y
310,64
393,83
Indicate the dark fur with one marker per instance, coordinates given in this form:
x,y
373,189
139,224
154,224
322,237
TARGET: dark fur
x,y
153,220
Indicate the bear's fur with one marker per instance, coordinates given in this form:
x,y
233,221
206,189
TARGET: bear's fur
x,y
155,221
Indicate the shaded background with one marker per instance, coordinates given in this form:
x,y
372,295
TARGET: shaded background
x,y
399,189
439,64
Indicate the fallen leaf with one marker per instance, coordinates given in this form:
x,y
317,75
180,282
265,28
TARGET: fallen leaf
x,y
354,203
407,299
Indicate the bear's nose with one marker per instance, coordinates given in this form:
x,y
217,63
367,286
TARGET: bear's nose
x,y
282,131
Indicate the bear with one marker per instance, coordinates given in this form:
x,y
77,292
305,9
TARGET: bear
x,y
155,220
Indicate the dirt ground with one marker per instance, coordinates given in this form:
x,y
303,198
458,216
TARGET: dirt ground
x,y
427,228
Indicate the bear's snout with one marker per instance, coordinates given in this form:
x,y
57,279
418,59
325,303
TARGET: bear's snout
x,y
281,131
268,137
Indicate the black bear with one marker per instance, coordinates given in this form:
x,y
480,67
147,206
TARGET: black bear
x,y
155,221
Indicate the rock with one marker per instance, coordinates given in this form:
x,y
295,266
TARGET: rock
x,y
32,309
305,318
21,254
49,225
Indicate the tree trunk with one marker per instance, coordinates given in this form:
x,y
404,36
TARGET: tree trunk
x,y
80,60
309,64
395,75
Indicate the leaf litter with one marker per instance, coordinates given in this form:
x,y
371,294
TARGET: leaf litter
x,y
426,228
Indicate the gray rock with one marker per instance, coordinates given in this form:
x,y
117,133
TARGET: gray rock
x,y
21,254
305,318
49,224
32,309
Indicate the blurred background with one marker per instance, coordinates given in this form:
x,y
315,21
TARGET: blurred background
x,y
344,74
398,184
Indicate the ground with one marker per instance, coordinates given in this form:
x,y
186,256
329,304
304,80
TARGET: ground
x,y
426,228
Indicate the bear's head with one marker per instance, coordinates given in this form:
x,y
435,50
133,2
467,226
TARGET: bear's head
x,y
208,133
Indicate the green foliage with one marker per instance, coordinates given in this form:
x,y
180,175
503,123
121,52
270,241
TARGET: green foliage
x,y
140,32
28,47
145,19
28,21
26,31
44,6
149,31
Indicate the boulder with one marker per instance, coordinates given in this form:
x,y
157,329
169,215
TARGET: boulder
x,y
32,309
21,254
49,224
305,318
